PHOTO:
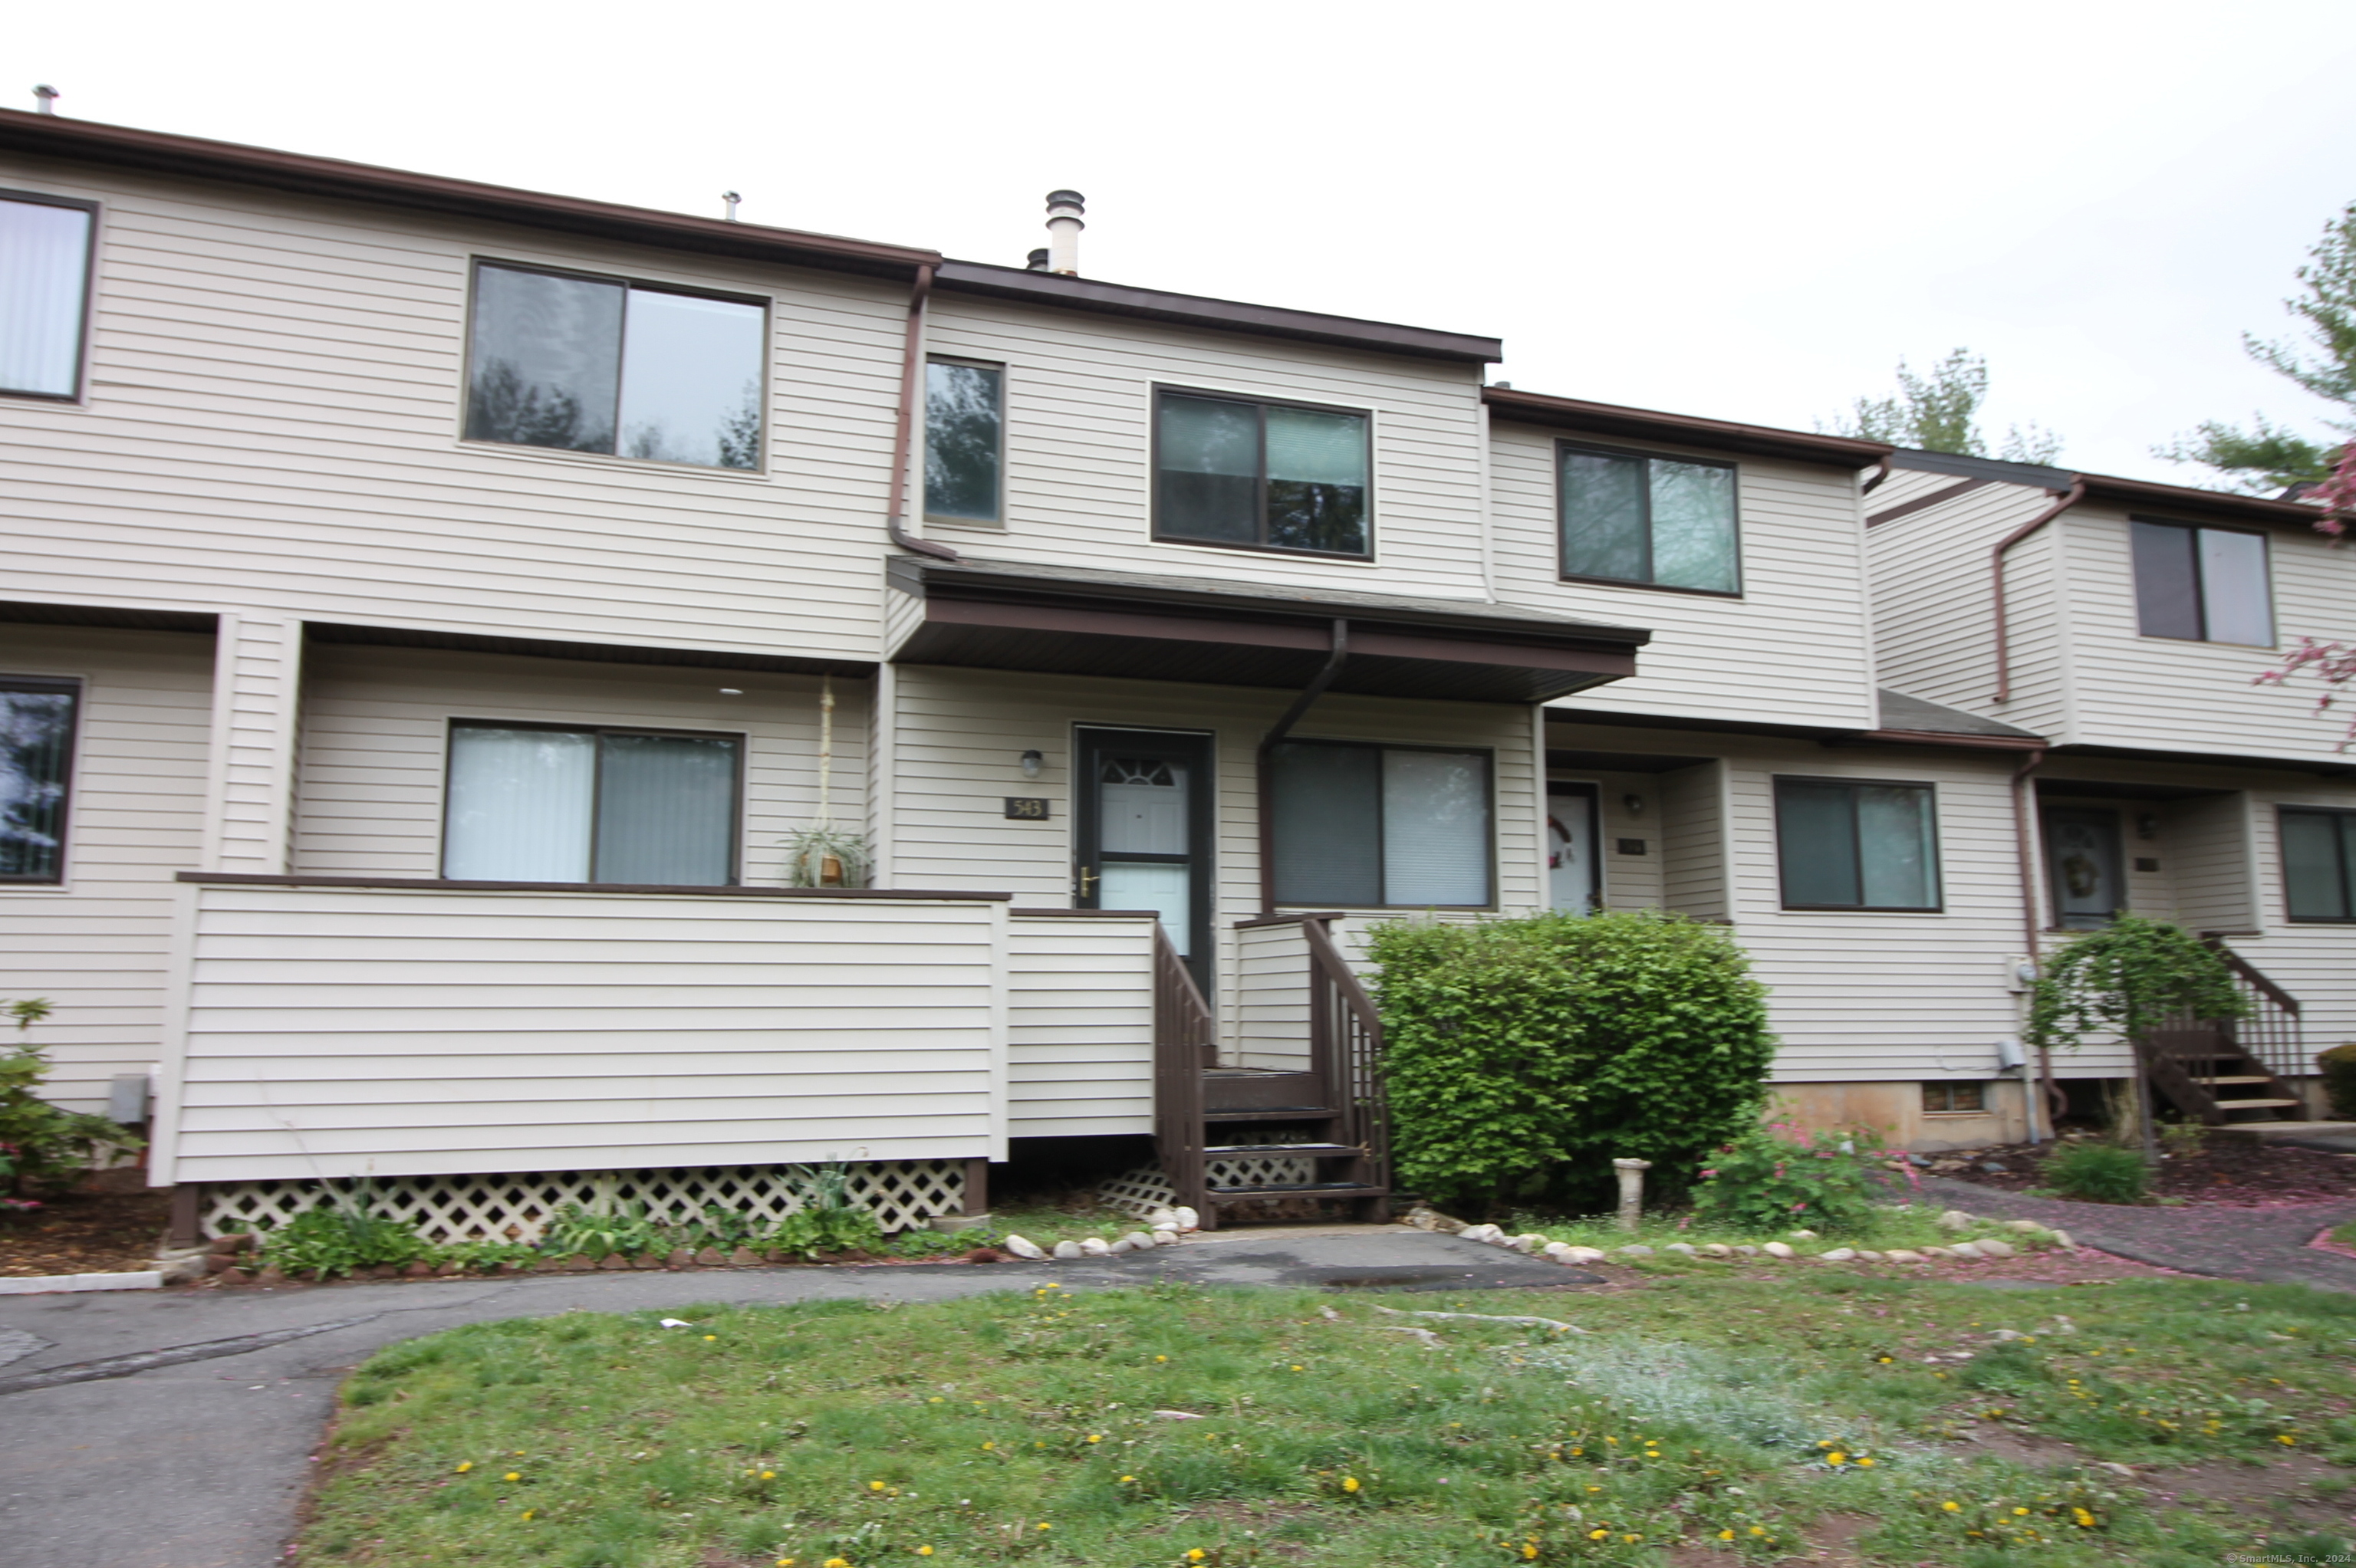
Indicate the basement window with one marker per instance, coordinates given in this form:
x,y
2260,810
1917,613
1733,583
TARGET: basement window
x,y
45,262
1857,845
1261,475
1953,1099
589,364
2318,856
2201,585
36,744
532,803
1376,826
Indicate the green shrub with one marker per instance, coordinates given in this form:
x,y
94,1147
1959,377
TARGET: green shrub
x,y
338,1238
2338,1066
593,1234
42,1146
2099,1173
1776,1178
1522,1056
828,1220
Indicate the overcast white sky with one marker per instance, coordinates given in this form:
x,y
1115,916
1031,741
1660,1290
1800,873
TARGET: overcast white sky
x,y
1741,210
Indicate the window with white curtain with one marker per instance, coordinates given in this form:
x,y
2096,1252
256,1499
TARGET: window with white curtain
x,y
532,804
1360,826
44,248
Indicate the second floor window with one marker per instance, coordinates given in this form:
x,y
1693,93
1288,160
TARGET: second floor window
x,y
44,293
2204,585
542,804
1854,844
599,365
965,441
1399,826
1666,522
1260,475
2318,856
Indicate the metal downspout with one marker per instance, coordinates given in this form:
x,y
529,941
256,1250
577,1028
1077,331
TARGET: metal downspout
x,y
2024,835
903,431
1268,744
2070,497
1880,473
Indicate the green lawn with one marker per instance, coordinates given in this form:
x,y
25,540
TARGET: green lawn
x,y
1704,1419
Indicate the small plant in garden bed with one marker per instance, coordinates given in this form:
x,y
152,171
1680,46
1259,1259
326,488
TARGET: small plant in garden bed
x,y
2098,1172
1781,1175
1733,1417
41,1146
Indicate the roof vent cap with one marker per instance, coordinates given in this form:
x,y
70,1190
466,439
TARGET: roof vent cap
x,y
1064,226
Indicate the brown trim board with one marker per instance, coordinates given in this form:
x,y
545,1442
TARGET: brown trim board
x,y
1920,502
440,884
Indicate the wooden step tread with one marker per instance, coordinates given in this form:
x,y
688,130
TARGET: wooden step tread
x,y
1273,1114
2254,1104
1320,1151
2237,1078
1309,1189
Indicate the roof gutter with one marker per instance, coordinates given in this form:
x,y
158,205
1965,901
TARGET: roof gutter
x,y
904,429
1335,660
2070,497
1947,738
1880,473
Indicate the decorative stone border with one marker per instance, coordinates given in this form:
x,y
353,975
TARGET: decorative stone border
x,y
36,1284
2031,1234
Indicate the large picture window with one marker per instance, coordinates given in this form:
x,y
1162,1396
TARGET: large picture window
x,y
2318,856
1666,522
1846,843
529,804
1374,826
2204,585
601,364
36,741
1260,475
45,253
964,442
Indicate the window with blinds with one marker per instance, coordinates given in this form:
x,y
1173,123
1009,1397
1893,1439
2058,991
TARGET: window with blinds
x,y
1376,826
1852,843
529,804
1282,476
44,263
37,744
2318,862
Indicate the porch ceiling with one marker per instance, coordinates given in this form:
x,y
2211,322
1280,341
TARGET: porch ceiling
x,y
1063,621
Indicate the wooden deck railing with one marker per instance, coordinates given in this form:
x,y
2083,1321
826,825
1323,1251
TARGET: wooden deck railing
x,y
2272,1033
1346,1037
1185,1041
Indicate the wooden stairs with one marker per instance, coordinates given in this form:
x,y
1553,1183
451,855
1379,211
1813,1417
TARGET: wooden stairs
x,y
2231,1073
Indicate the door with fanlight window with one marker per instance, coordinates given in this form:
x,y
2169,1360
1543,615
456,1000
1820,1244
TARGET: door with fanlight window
x,y
1143,813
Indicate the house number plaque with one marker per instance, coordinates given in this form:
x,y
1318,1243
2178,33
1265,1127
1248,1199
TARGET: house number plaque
x,y
1022,810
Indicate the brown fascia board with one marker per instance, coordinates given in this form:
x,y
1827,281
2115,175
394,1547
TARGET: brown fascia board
x,y
2143,495
1061,292
153,152
1681,430
1824,735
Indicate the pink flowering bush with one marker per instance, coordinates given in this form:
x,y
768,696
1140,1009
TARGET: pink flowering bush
x,y
1779,1177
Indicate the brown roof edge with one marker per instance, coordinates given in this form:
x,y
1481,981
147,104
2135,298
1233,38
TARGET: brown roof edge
x,y
1683,429
2145,493
156,152
1951,738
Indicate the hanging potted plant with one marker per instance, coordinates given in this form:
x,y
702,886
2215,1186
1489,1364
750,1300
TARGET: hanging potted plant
x,y
822,855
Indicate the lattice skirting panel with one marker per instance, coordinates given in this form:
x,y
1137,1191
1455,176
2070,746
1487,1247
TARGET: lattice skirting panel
x,y
1144,1189
901,1193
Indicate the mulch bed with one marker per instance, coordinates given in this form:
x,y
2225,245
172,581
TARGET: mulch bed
x,y
2227,1172
85,1233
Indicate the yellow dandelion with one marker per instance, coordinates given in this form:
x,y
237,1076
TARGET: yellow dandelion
x,y
838,1563
2285,1439
1758,1530
2020,1512
987,1446
1160,1358
709,1337
1835,1457
512,1475
1598,1535
1044,1525
786,1562
1127,1478
1577,1452
466,1466
769,1475
1726,1535
1095,1437
529,1512
519,1452
1349,1483
923,1552
1529,1549
1296,1366
1951,1508
1194,1555
1866,1460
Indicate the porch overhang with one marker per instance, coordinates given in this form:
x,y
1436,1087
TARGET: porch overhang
x,y
1064,621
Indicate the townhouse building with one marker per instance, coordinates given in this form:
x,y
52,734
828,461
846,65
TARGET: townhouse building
x,y
430,610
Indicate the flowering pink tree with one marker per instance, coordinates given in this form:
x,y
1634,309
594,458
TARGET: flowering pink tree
x,y
2334,664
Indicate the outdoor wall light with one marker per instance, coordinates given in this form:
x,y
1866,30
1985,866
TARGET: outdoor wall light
x,y
1031,762
1634,805
2148,824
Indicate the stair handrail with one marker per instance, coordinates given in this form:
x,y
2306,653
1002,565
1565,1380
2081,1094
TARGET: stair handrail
x,y
2244,970
1185,1041
1351,1047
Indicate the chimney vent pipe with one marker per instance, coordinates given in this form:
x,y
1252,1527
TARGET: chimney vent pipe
x,y
45,98
1037,260
732,199
1064,226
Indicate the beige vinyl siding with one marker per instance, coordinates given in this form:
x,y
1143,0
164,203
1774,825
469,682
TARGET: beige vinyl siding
x,y
1270,1005
1933,604
1693,841
2162,694
1795,644
337,1031
96,945
1079,473
1079,1025
272,422
2211,851
375,735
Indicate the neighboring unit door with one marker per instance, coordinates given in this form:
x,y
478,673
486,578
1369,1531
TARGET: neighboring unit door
x,y
1574,874
2083,862
1143,807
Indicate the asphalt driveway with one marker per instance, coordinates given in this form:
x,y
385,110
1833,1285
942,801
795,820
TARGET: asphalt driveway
x,y
172,1429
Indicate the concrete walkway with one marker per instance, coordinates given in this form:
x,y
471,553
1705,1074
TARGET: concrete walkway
x,y
172,1429
2265,1246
